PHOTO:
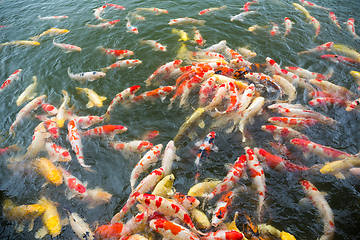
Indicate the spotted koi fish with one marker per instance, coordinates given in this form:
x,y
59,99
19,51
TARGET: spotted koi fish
x,y
128,63
152,95
247,5
116,53
333,19
204,150
49,109
188,202
133,147
316,25
341,59
98,12
171,230
210,10
222,208
207,89
318,200
13,77
67,47
297,123
329,87
295,80
164,71
186,20
80,227
272,66
323,47
130,28
303,73
353,105
283,132
288,25
84,122
232,177
57,153
75,187
254,67
263,79
350,26
86,76
277,163
198,38
223,234
107,25
156,45
149,158
326,101
106,131
136,223
300,113
51,126
310,4
118,7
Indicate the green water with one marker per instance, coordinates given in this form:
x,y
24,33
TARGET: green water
x,y
50,65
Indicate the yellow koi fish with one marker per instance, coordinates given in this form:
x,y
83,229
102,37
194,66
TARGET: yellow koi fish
x,y
203,188
51,32
21,43
164,188
346,51
183,35
94,99
50,219
28,94
336,167
47,169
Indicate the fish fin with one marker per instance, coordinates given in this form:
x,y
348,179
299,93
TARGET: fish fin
x,y
214,148
70,195
202,124
64,221
31,225
103,98
162,98
19,228
304,201
90,105
41,232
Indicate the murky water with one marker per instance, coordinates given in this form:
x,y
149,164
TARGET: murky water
x,y
50,65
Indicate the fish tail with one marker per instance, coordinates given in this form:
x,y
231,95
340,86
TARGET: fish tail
x,y
100,48
34,38
106,117
202,22
69,73
104,69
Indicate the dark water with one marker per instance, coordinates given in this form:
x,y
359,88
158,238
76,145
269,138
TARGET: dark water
x,y
50,65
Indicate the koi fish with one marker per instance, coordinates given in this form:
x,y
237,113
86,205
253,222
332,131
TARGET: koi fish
x,y
302,9
50,219
86,76
286,86
96,197
128,63
164,188
356,76
136,223
156,45
247,5
325,101
277,163
228,183
169,157
116,53
297,123
106,131
316,25
75,142
352,105
211,10
283,132
74,186
207,89
303,73
288,25
8,149
158,11
107,25
51,33
223,234
348,52
183,35
53,17
38,141
188,202
329,87
50,126
161,93
274,30
28,93
109,230
246,53
336,167
295,80
25,111
20,43
131,28
318,200
94,99
13,77
118,7
149,158
255,108
57,153
133,147
172,230
241,16
80,227
183,21
350,26
263,79
222,208
341,59
203,188
204,150
164,71
67,47
98,12
136,16
300,113
310,4
119,98
200,219
334,19
255,27
22,213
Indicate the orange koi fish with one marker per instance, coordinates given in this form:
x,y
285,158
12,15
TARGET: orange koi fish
x,y
161,93
106,131
109,231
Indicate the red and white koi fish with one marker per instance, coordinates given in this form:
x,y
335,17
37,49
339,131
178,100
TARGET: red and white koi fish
x,y
161,93
288,25
96,197
308,147
148,159
57,153
80,227
233,97
116,53
169,157
257,174
86,121
310,4
281,105
164,71
156,45
210,10
207,90
283,132
295,80
204,150
334,19
316,25
323,47
222,208
224,235
240,17
341,59
297,123
107,25
303,73
300,113
350,26
50,33
25,111
133,147
115,6
188,202
272,66
8,149
332,88
128,63
274,30
98,12
67,47
248,115
111,231
53,17
247,5
318,200
277,163
198,38
75,187
353,105
120,98
130,28
263,79
167,207
181,21
232,177
147,184
171,230
136,16
51,126
325,101
38,141
158,11
135,224
75,142
13,77
86,76
106,131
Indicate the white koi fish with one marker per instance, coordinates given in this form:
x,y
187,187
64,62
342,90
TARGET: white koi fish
x,y
94,98
86,76
98,12
286,87
186,20
156,45
80,227
38,141
53,17
318,200
51,33
28,93
25,111
157,11
13,77
67,47
255,108
288,25
128,63
218,47
169,157
350,26
240,17
334,19
107,25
